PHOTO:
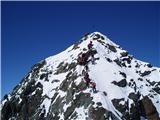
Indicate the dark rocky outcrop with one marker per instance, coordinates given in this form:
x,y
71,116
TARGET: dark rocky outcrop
x,y
102,38
151,83
112,48
134,112
44,76
64,85
56,80
149,108
58,104
140,79
33,74
102,42
104,93
124,54
122,83
99,104
18,102
39,65
157,89
64,67
61,68
100,113
96,37
145,73
118,62
82,86
75,46
14,107
84,49
128,59
149,65
7,110
123,74
109,60
121,107
134,96
137,65
82,99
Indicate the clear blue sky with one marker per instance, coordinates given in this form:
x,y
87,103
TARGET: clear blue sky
x,y
32,31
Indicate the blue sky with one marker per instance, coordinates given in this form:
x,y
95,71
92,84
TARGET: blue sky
x,y
32,31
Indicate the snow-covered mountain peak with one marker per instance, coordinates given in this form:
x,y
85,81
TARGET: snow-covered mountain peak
x,y
99,41
58,85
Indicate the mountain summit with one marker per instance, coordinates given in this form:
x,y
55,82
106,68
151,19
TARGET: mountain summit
x,y
94,79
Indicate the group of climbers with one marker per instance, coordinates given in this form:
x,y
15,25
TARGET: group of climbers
x,y
141,105
93,84
83,60
89,82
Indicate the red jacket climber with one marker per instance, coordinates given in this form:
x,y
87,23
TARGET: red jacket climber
x,y
90,45
93,85
86,76
79,60
84,58
87,79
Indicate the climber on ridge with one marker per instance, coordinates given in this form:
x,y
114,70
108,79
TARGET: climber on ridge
x,y
90,45
93,85
87,79
82,60
85,70
86,75
91,52
79,60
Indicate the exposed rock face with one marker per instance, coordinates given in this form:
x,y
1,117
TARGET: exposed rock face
x,y
133,96
124,54
56,88
145,73
123,74
150,110
101,114
18,103
112,48
121,83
